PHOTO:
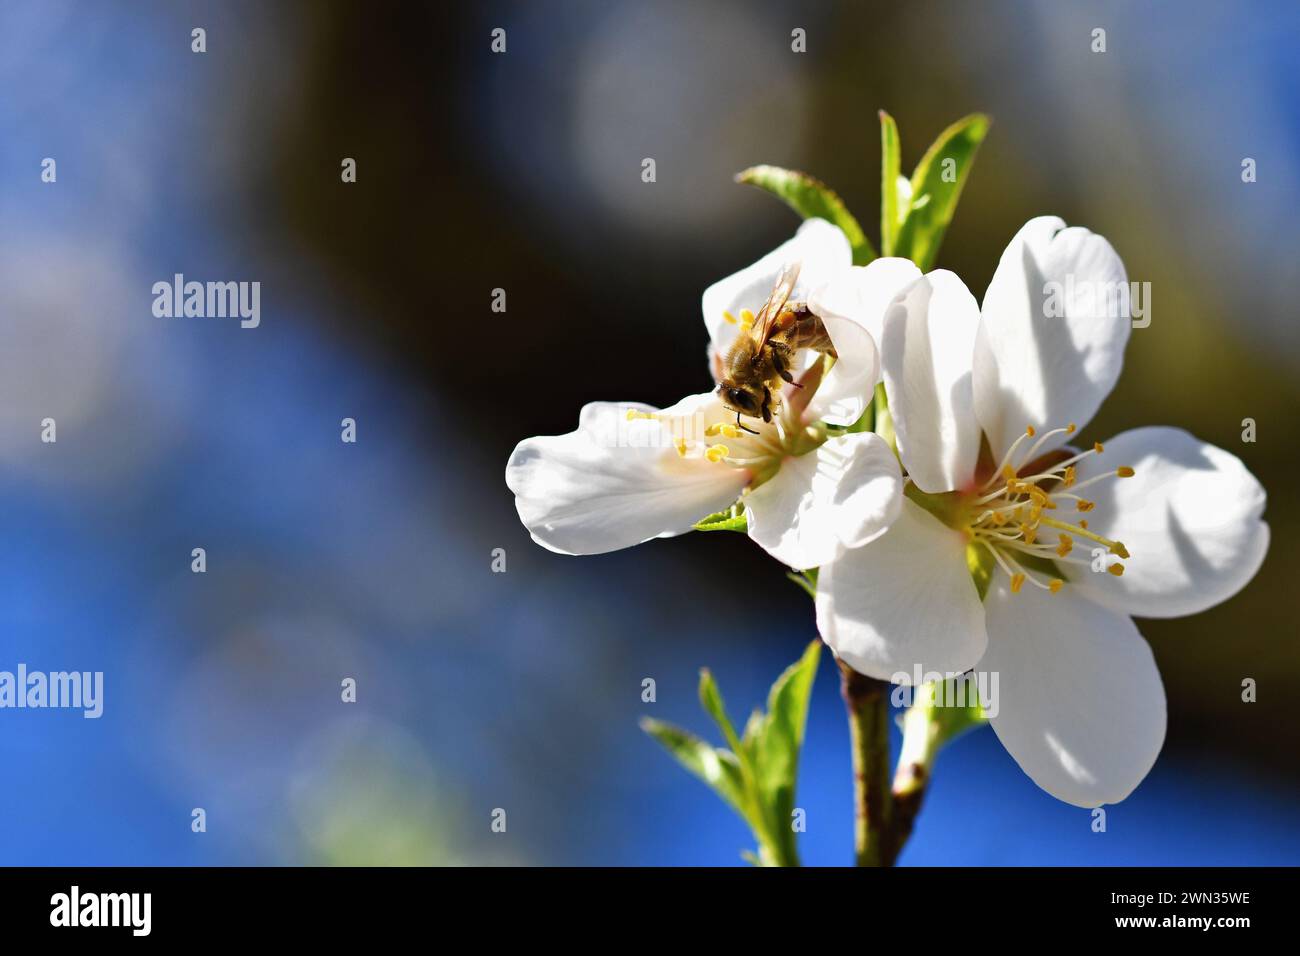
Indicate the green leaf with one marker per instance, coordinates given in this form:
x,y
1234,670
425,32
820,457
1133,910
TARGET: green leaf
x,y
711,700
778,740
936,187
752,800
787,715
718,768
731,520
811,199
757,776
890,219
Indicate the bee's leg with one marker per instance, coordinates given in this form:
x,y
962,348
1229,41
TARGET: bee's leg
x,y
779,363
767,405
744,428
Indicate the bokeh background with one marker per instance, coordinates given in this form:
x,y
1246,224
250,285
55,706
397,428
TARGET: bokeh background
x,y
522,171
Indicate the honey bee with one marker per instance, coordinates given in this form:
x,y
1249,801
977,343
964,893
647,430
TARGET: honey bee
x,y
763,355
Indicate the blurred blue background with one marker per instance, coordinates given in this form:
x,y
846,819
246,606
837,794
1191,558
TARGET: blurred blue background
x,y
328,560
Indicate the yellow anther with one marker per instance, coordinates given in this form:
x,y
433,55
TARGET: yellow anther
x,y
633,415
1085,505
1031,534
1084,533
716,453
1069,476
999,518
1116,569
1071,428
681,447
1118,548
1017,582
1066,545
1008,473
1124,471
1029,431
1083,523
1098,447
722,428
730,319
1055,585
746,319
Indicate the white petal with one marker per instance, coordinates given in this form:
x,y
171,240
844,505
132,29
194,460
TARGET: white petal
x,y
846,390
820,247
852,307
926,356
1079,701
1033,364
844,494
903,603
864,293
614,483
1190,518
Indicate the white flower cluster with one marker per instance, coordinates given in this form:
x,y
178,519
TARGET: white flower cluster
x,y
983,536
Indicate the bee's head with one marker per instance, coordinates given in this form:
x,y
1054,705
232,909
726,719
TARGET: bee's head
x,y
751,400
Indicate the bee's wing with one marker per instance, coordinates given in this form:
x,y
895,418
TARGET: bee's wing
x,y
765,321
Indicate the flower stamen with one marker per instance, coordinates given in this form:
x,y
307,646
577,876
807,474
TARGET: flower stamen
x,y
1007,520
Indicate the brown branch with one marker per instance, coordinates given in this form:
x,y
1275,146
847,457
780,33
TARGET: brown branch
x,y
867,702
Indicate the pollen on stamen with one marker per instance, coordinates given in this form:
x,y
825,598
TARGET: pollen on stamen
x,y
716,453
1071,428
633,415
1086,505
729,318
1068,479
1017,582
1118,548
722,428
1066,545
1008,473
1124,471
1098,447
1031,534
1116,569
1029,431
681,447
1083,523
1055,585
746,319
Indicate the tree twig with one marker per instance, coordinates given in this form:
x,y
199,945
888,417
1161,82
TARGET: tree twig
x,y
867,702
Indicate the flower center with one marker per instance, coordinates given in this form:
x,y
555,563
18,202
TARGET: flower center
x,y
1029,524
759,452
